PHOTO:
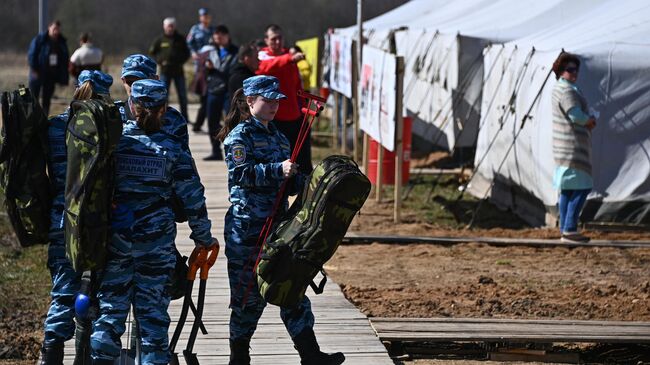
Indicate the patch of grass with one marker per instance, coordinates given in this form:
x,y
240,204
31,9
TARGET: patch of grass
x,y
435,199
24,287
503,262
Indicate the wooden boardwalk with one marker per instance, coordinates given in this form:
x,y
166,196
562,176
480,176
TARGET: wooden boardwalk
x,y
510,330
339,325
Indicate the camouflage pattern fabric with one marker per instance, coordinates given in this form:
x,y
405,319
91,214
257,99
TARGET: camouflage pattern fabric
x,y
310,235
266,86
199,36
59,322
23,177
141,253
94,130
254,156
149,93
100,81
139,66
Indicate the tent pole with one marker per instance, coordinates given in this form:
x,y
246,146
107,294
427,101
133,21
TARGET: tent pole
x,y
42,16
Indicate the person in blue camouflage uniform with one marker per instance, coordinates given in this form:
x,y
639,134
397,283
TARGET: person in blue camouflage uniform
x,y
150,164
257,156
198,37
139,67
59,323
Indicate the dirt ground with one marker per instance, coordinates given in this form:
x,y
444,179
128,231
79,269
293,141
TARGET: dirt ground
x,y
377,218
479,280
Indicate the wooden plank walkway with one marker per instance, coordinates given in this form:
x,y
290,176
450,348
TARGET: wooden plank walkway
x,y
339,325
360,238
510,330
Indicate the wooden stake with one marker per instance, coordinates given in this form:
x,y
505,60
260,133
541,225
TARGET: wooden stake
x,y
344,127
399,140
380,172
335,120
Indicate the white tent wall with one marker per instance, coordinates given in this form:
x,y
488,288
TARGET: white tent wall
x,y
444,64
442,85
615,79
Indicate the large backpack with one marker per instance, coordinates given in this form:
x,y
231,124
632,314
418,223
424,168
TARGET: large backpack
x,y
315,225
93,133
23,167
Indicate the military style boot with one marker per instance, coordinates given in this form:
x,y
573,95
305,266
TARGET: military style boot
x,y
239,354
310,353
52,354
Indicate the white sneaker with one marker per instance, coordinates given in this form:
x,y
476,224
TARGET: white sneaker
x,y
574,237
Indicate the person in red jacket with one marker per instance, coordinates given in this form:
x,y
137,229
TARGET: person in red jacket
x,y
275,60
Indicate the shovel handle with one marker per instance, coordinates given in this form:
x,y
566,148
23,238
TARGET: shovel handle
x,y
210,260
198,257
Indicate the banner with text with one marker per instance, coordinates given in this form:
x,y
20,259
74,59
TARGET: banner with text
x,y
341,64
377,84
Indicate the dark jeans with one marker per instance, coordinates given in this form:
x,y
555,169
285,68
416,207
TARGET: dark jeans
x,y
181,90
214,106
570,205
201,114
35,86
291,129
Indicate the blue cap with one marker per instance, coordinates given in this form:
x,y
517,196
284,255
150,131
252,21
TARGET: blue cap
x,y
266,86
138,65
149,93
100,81
203,11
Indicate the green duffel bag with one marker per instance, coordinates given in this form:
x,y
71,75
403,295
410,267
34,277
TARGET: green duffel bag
x,y
24,183
93,132
312,231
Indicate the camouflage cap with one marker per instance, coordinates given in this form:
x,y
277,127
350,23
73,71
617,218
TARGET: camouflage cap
x,y
266,86
204,11
100,81
149,93
138,65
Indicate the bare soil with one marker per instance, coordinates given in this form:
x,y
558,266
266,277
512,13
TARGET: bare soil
x,y
479,280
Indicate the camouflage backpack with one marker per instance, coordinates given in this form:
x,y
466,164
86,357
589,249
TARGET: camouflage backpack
x,y
315,225
23,173
93,132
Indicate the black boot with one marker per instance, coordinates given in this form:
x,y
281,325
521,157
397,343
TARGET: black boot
x,y
239,354
52,354
82,342
310,353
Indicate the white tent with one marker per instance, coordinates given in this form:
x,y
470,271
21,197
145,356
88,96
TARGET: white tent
x,y
444,60
612,40
442,42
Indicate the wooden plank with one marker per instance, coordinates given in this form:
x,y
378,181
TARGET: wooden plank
x,y
360,238
473,329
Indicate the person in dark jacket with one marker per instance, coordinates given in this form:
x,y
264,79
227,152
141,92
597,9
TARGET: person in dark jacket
x,y
221,60
247,63
48,63
170,52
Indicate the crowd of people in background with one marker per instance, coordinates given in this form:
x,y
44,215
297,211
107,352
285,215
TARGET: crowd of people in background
x,y
219,68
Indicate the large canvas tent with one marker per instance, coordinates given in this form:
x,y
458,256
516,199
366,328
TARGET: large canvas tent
x,y
442,43
611,38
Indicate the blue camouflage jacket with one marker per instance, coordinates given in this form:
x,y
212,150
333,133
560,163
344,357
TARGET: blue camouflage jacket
x,y
149,168
254,156
199,36
175,124
57,165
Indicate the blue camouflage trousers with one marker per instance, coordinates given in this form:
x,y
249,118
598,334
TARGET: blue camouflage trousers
x,y
244,318
139,267
59,323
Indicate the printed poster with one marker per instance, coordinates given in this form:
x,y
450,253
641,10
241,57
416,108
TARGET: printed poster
x,y
377,87
341,64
